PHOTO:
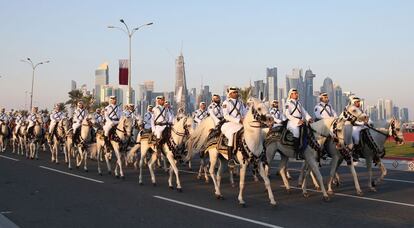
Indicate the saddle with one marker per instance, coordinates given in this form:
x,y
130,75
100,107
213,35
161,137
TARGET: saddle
x,y
112,134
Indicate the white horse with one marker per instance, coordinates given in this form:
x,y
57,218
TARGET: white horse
x,y
123,132
252,138
371,146
85,139
4,132
58,140
19,139
179,132
36,140
320,128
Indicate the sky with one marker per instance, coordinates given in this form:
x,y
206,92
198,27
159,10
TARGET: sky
x,y
364,46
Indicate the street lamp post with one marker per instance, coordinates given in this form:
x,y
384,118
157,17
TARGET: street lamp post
x,y
129,33
34,66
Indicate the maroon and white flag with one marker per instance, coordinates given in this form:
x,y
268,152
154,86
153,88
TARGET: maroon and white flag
x,y
123,71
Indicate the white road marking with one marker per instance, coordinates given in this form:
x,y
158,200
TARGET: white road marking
x,y
397,180
6,212
5,222
218,212
70,174
363,198
13,159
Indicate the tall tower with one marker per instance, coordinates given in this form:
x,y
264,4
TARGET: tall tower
x,y
101,79
181,92
309,98
271,83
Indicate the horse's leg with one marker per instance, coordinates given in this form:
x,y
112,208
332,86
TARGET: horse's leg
x,y
108,163
213,155
141,162
265,177
118,161
200,169
151,164
243,168
173,165
383,173
282,171
98,156
305,181
334,167
355,178
85,156
302,173
310,159
368,160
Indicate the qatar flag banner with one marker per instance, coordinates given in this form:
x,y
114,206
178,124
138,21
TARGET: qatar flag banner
x,y
123,71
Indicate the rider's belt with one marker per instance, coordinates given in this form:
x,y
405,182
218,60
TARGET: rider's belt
x,y
115,119
161,124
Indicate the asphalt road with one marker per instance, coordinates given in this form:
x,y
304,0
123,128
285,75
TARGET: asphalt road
x,y
36,193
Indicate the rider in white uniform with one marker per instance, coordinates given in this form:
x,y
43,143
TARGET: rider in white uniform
x,y
3,116
99,119
147,119
277,115
160,120
78,116
324,109
19,121
32,118
201,113
234,112
215,110
170,112
55,117
296,115
112,117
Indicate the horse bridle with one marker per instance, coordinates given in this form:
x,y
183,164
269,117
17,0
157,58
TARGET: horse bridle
x,y
257,119
186,131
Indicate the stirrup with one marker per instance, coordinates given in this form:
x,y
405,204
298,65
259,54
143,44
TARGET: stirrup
x,y
232,163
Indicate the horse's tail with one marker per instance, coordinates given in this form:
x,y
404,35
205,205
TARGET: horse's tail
x,y
199,137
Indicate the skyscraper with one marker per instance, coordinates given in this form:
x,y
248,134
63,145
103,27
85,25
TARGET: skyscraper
x,y
271,84
396,112
388,107
296,81
72,85
309,98
101,79
381,109
337,99
372,112
258,88
181,92
328,88
404,115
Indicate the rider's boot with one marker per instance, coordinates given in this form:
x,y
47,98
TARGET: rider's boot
x,y
298,149
232,163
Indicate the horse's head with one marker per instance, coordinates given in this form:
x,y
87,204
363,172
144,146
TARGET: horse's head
x,y
354,113
87,121
395,131
188,124
127,124
258,110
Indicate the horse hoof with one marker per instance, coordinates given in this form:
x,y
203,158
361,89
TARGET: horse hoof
x,y
330,193
171,187
117,177
360,193
141,184
273,204
198,178
100,174
57,163
109,172
154,184
179,190
373,183
86,170
372,189
233,185
70,168
289,191
243,205
326,198
123,177
219,197
77,167
207,181
306,195
66,162
317,188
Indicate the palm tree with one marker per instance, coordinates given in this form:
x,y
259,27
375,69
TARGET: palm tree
x,y
245,93
74,97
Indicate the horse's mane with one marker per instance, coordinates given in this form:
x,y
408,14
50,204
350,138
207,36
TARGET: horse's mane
x,y
323,126
200,136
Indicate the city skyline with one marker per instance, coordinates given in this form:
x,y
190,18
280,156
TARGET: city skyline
x,y
365,57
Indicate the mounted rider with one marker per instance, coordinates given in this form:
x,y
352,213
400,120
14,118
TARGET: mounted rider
x,y
99,119
296,115
112,117
170,112
78,116
32,118
215,110
278,116
20,119
357,126
160,120
147,123
200,113
56,116
234,112
324,109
